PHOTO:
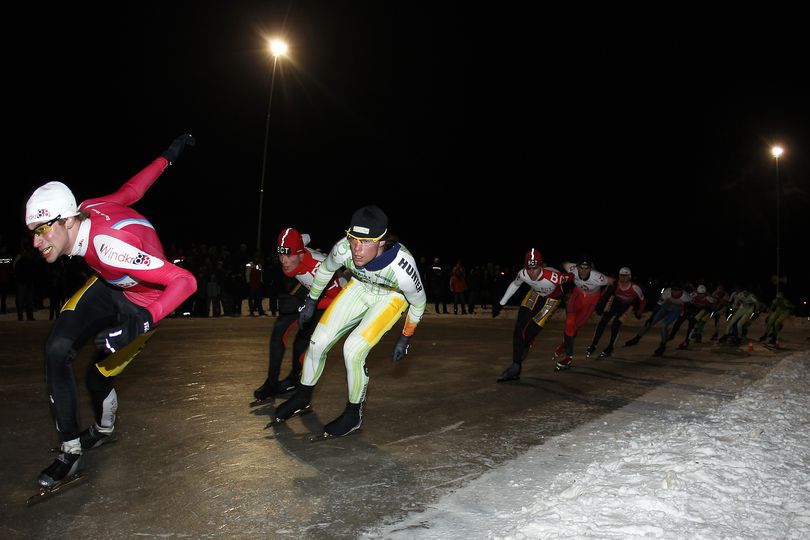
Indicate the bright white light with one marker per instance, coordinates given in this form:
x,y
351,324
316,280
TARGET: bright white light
x,y
777,151
278,47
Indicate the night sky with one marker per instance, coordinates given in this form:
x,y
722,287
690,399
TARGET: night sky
x,y
639,137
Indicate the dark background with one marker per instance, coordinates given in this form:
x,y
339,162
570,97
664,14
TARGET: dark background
x,y
641,137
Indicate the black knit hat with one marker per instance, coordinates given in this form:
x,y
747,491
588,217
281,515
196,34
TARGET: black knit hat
x,y
368,222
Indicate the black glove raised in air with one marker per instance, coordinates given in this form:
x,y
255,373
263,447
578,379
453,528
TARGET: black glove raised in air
x,y
401,348
118,337
178,145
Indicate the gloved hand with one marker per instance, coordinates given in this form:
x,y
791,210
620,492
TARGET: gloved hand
x,y
496,309
178,145
401,348
117,337
307,311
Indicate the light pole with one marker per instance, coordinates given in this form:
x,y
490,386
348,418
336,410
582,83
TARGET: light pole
x,y
777,151
277,48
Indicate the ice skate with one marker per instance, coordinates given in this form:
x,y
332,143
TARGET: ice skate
x,y
348,421
298,404
512,373
63,468
589,351
607,352
632,341
270,390
563,364
264,393
683,346
660,350
93,437
559,351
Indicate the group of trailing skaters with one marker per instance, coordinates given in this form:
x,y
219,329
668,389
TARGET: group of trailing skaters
x,y
581,290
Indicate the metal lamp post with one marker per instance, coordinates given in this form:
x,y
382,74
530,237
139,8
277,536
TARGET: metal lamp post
x,y
277,48
776,152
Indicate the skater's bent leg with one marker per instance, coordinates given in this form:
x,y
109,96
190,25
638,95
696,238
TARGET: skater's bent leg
x,y
59,354
375,323
284,324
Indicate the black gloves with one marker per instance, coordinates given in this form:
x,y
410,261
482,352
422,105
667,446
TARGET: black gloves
x,y
307,311
117,337
178,145
496,309
401,348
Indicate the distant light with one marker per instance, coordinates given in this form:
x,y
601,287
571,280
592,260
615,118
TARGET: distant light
x,y
777,151
278,47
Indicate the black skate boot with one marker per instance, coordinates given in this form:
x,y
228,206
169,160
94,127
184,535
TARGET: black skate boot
x,y
684,345
265,391
763,337
607,352
64,466
350,420
270,389
589,351
512,373
633,341
92,437
297,404
660,350
286,385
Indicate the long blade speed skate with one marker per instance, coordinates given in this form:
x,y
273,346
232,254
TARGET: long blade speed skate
x,y
48,492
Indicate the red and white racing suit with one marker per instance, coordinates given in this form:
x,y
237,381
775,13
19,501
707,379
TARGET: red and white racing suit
x,y
537,306
123,249
581,304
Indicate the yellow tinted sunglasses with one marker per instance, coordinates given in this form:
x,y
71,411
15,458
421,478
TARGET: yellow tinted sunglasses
x,y
350,236
46,227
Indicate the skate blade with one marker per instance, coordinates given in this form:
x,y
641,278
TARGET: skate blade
x,y
328,436
57,449
299,412
47,493
562,368
508,379
259,402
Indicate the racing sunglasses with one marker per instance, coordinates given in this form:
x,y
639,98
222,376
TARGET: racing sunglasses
x,y
364,241
46,227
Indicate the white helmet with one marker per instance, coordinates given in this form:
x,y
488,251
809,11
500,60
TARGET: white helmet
x,y
49,201
624,271
701,289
